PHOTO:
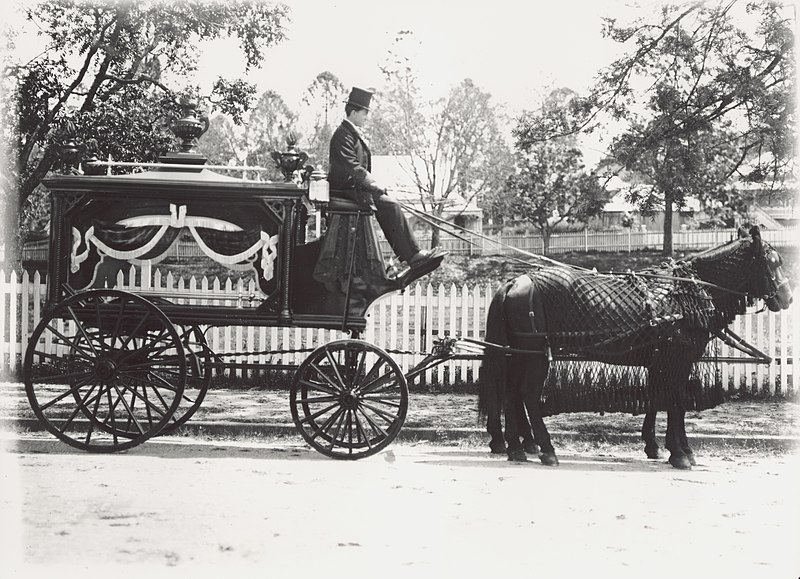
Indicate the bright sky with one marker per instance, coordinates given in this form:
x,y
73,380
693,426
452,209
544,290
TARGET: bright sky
x,y
514,49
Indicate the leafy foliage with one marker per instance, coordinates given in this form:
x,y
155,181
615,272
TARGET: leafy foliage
x,y
265,129
450,146
705,95
114,68
324,99
549,186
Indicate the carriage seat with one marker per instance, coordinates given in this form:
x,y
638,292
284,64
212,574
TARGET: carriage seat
x,y
339,205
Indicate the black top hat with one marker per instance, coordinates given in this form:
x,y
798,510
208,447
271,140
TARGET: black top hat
x,y
360,98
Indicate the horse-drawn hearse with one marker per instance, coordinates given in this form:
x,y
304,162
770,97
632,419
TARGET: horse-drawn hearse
x,y
108,368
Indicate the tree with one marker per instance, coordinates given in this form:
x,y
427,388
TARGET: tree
x,y
550,186
266,128
324,100
701,84
447,146
113,68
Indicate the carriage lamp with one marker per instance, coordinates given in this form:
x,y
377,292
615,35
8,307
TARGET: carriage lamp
x,y
318,188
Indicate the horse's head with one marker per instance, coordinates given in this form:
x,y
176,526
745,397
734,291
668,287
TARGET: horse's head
x,y
767,280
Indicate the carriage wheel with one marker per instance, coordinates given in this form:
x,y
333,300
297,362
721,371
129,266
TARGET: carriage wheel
x,y
349,399
104,370
198,377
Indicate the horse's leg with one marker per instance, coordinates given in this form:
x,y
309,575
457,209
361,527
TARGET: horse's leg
x,y
528,439
536,372
495,430
651,448
687,450
514,410
677,457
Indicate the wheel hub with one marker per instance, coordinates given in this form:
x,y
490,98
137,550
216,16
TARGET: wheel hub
x,y
349,401
105,369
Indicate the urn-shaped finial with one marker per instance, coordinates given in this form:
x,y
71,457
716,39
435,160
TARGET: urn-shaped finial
x,y
291,160
190,126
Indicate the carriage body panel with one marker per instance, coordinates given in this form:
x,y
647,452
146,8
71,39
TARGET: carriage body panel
x,y
101,225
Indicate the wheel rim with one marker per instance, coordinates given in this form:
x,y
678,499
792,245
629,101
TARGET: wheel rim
x,y
198,377
349,399
104,370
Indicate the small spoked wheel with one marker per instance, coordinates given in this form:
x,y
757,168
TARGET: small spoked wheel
x,y
105,370
198,376
349,399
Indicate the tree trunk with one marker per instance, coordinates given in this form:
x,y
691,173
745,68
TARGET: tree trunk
x,y
545,241
10,239
668,224
435,232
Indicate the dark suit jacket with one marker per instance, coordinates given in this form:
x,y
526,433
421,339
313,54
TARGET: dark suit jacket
x,y
350,163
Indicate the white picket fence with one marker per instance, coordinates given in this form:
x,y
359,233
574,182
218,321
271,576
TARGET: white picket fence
x,y
406,325
599,241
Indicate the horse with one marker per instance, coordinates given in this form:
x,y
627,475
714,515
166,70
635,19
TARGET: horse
x,y
631,342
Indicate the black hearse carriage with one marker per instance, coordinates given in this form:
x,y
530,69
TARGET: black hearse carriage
x,y
109,367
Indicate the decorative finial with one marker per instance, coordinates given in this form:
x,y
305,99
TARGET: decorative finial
x,y
69,147
192,124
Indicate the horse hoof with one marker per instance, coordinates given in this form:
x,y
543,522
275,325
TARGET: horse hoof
x,y
690,456
549,459
530,447
680,461
497,447
652,452
517,456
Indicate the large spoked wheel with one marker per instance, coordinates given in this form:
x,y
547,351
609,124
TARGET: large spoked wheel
x,y
349,399
105,370
198,377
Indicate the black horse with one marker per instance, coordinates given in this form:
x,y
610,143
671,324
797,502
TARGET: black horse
x,y
646,332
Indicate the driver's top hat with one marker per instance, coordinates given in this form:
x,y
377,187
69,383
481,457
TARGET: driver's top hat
x,y
360,98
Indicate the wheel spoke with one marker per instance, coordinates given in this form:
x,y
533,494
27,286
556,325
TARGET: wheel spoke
x,y
68,342
335,388
383,414
164,384
361,431
335,368
150,348
335,437
376,384
349,429
63,395
81,329
129,410
312,417
132,334
375,427
328,422
387,400
81,405
113,421
317,399
67,376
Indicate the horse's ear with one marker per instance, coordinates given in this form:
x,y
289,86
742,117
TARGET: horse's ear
x,y
755,233
742,232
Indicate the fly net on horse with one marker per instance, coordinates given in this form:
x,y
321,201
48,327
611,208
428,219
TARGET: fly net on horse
x,y
627,342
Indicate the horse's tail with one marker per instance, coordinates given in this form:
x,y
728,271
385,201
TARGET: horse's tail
x,y
491,392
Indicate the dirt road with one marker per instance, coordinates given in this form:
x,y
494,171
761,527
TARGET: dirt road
x,y
185,507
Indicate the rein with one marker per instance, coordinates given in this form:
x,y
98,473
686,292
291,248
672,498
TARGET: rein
x,y
438,223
